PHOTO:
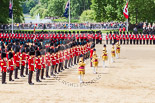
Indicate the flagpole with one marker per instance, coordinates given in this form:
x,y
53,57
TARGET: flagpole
x,y
12,16
69,15
127,25
128,18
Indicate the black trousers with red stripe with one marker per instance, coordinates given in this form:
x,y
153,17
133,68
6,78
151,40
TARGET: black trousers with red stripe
x,y
3,77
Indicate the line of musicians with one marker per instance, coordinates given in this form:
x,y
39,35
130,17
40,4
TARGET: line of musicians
x,y
45,57
130,38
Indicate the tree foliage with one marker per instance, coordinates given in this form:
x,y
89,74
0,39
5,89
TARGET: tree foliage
x,y
87,15
17,11
55,7
112,10
28,5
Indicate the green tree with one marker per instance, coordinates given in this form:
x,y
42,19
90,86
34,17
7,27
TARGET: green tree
x,y
55,8
78,6
28,5
44,3
98,7
17,10
112,10
145,10
87,16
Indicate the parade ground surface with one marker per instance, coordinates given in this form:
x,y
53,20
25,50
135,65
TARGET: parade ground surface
x,y
131,79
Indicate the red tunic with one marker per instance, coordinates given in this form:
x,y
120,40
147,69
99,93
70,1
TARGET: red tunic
x,y
153,37
147,38
143,37
23,59
140,37
57,58
11,67
91,53
127,37
150,37
100,37
130,36
106,37
31,64
77,36
124,29
82,51
3,66
120,30
16,60
53,60
61,57
76,51
38,63
27,57
137,36
134,37
113,36
123,37
117,37
68,55
43,62
47,60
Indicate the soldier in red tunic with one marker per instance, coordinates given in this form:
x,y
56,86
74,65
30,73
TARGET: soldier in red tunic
x,y
150,37
78,51
120,29
3,64
147,39
97,37
140,37
127,38
23,61
27,58
38,65
16,61
120,36
53,62
134,38
107,38
124,37
57,59
77,36
42,64
91,53
48,62
114,37
153,36
61,57
110,36
31,65
117,37
137,37
143,39
100,37
11,66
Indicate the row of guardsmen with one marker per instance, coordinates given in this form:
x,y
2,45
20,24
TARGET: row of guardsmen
x,y
130,38
96,36
48,57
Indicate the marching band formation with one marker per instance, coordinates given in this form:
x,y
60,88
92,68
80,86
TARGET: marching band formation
x,y
46,54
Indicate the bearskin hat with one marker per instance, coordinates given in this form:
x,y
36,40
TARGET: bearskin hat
x,y
22,50
38,53
3,55
10,55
